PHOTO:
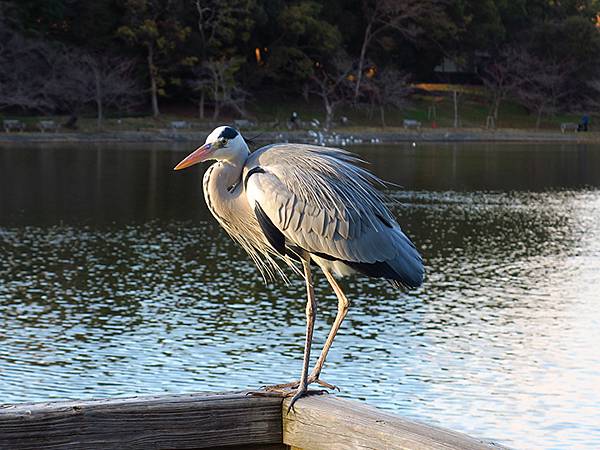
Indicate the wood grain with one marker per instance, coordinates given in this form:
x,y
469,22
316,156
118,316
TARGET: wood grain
x,y
236,420
328,423
190,421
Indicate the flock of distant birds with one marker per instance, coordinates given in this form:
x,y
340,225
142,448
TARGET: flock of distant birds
x,y
323,139
321,136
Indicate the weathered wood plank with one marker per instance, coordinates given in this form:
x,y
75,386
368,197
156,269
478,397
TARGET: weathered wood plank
x,y
329,423
190,421
196,421
253,447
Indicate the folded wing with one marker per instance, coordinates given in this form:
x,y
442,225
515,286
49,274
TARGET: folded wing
x,y
317,199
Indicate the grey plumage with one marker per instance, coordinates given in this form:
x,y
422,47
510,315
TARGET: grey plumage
x,y
324,203
295,203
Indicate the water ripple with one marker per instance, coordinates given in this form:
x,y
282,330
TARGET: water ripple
x,y
500,342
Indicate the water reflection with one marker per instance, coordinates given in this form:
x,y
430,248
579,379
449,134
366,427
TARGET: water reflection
x,y
114,281
107,184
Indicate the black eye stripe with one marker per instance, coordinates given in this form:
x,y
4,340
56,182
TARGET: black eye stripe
x,y
228,133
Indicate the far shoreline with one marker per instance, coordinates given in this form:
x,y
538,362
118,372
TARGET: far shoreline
x,y
367,135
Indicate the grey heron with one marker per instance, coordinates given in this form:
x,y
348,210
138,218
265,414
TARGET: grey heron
x,y
295,203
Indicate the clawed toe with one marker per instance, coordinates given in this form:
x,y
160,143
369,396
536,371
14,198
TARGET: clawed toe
x,y
284,387
293,389
304,393
324,384
301,392
270,393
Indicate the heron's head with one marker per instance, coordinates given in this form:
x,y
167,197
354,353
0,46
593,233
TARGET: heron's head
x,y
223,144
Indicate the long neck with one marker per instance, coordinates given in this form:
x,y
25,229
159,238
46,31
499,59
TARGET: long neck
x,y
221,186
228,168
222,176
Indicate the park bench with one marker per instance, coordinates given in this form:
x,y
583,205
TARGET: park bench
x,y
411,123
569,126
47,125
180,125
10,125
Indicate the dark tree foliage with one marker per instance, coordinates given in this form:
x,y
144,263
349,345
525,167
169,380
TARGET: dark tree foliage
x,y
276,46
78,23
296,38
155,27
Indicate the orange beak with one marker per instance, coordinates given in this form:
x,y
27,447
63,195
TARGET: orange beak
x,y
195,157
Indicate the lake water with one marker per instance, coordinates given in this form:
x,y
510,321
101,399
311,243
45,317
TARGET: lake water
x,y
115,280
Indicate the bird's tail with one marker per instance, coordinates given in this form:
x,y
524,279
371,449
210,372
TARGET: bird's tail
x,y
407,265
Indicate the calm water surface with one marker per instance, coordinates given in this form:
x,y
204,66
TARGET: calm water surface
x,y
115,280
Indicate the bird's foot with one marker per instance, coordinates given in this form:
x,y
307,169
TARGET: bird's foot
x,y
281,387
300,392
325,384
285,393
271,393
304,392
294,385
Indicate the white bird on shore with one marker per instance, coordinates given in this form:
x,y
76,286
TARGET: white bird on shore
x,y
302,203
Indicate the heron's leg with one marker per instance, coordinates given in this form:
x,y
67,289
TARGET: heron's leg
x,y
343,305
311,309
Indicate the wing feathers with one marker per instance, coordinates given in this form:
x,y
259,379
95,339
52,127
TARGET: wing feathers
x,y
318,200
272,233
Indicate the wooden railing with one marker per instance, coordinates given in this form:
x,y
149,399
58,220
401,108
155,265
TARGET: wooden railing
x,y
238,420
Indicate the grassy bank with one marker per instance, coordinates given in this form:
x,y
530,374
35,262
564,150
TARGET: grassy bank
x,y
364,135
273,116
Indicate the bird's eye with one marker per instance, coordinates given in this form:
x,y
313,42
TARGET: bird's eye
x,y
222,141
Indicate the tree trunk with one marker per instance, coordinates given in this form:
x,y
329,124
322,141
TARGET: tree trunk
x,y
98,98
216,110
370,110
328,113
496,108
201,106
361,60
455,96
382,113
493,105
239,109
538,120
100,113
153,84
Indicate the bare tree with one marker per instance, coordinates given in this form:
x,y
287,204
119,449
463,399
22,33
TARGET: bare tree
x,y
81,79
388,88
402,16
71,81
36,75
499,80
332,83
114,83
540,85
217,79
